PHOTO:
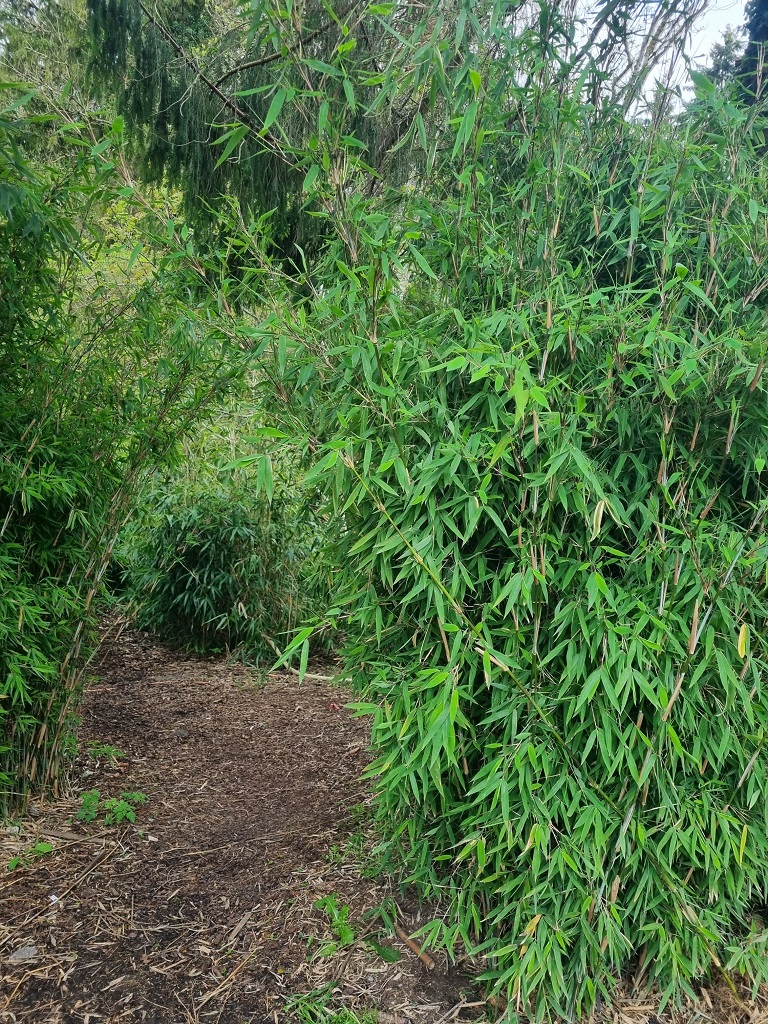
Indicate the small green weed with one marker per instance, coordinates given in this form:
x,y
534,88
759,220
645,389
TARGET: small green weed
x,y
114,809
122,809
104,751
362,813
352,849
23,860
339,920
89,805
314,1008
344,933
256,678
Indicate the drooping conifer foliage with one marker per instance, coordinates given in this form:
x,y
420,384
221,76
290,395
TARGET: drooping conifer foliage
x,y
196,84
754,63
197,92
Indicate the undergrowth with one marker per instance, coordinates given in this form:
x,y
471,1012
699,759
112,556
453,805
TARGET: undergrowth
x,y
318,1008
224,562
84,325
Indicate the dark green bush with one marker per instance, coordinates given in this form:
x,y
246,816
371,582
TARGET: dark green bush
x,y
219,568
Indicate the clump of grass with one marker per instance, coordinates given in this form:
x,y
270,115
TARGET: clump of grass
x,y
317,1008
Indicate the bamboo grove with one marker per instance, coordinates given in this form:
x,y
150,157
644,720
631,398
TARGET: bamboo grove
x,y
531,383
107,356
518,348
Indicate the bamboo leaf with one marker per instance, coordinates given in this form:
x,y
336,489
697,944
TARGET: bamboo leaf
x,y
743,640
231,141
275,107
422,263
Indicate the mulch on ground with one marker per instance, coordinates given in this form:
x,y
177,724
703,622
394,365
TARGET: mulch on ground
x,y
204,909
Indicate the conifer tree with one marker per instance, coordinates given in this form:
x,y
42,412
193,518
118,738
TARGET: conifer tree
x,y
208,92
197,88
754,62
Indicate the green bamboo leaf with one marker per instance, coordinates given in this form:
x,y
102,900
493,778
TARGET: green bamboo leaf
x,y
349,92
466,127
387,953
310,177
422,262
322,117
421,128
231,140
322,67
275,108
303,660
703,84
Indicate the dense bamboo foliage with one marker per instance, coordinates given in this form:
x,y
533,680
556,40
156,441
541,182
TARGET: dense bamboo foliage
x,y
221,560
524,366
106,356
532,385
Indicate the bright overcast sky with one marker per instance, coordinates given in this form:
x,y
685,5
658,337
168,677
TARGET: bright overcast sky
x,y
720,15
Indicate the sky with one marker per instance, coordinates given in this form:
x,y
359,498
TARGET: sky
x,y
713,23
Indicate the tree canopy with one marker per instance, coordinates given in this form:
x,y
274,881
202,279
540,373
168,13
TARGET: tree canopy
x,y
210,94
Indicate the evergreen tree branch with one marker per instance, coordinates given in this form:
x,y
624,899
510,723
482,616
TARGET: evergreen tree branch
x,y
227,101
298,45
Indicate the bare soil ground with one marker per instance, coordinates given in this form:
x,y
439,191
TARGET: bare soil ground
x,y
203,910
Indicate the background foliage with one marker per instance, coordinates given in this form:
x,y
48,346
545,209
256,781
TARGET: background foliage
x,y
215,107
222,560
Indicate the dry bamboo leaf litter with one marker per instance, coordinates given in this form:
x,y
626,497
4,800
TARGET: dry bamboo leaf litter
x,y
205,909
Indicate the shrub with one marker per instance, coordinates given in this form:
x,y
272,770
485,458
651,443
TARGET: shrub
x,y
105,357
216,567
533,389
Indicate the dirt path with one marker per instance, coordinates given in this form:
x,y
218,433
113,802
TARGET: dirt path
x,y
203,910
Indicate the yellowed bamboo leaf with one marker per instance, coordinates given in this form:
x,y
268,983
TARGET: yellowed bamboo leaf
x,y
743,638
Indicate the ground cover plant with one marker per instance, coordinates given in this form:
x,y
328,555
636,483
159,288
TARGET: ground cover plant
x,y
531,384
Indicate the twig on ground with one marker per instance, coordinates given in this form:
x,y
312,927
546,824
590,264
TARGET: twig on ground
x,y
238,928
310,675
100,859
425,958
228,980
